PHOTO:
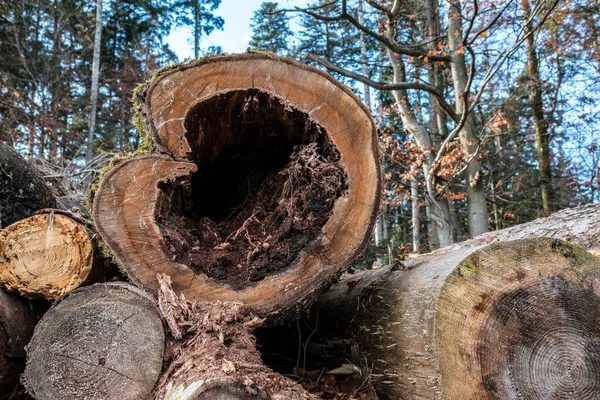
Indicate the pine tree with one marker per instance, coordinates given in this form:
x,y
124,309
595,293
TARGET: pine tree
x,y
199,14
270,30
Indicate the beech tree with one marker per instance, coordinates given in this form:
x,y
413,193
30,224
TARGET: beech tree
x,y
416,40
270,30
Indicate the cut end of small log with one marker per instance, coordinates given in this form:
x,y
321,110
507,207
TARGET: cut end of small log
x,y
271,188
521,320
104,341
46,255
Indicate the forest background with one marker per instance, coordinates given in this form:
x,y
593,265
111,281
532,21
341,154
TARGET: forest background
x,y
488,111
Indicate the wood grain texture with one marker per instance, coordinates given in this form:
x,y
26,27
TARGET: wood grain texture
x,y
390,314
521,320
104,341
128,198
47,255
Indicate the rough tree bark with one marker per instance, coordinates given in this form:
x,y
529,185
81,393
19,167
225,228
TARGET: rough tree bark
x,y
22,189
104,341
542,136
17,321
94,86
49,254
433,330
221,119
477,202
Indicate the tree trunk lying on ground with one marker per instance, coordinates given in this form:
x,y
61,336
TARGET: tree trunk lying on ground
x,y
104,341
49,254
270,189
17,320
22,189
514,320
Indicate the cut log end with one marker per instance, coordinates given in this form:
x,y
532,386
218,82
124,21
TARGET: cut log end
x,y
279,194
46,255
521,320
105,341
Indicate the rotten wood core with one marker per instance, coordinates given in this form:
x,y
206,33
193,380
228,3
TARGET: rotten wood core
x,y
211,353
264,186
104,341
48,254
268,178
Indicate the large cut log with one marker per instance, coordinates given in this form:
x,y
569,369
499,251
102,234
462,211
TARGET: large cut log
x,y
17,321
514,320
104,341
269,187
22,189
49,254
213,354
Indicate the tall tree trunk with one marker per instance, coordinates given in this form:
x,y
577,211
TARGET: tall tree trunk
x,y
542,136
477,202
197,29
415,215
94,87
439,215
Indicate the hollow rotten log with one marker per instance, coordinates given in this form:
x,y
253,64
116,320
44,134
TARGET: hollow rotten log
x,y
22,189
49,254
514,320
266,188
104,341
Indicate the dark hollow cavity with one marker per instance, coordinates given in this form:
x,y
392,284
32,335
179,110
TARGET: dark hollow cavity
x,y
268,177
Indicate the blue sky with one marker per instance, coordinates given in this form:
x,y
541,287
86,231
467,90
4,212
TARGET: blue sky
x,y
236,34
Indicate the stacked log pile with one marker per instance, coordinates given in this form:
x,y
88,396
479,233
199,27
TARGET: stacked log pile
x,y
257,187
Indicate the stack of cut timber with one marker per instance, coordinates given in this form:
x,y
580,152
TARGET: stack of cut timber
x,y
258,186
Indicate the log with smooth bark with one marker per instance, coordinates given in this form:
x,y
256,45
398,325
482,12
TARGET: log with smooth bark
x,y
105,341
514,320
22,189
48,254
17,321
270,188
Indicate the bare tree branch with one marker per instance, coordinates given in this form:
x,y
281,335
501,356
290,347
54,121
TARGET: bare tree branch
x,y
387,86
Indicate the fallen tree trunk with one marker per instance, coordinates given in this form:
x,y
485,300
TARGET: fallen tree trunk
x,y
22,189
270,188
515,320
17,321
104,341
49,254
